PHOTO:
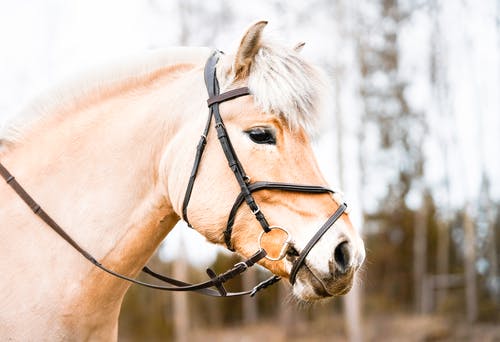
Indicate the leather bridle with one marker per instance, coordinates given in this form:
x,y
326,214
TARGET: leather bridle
x,y
247,189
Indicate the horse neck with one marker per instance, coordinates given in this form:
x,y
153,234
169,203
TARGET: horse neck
x,y
97,172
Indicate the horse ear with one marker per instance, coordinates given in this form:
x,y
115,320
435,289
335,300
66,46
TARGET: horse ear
x,y
299,46
249,46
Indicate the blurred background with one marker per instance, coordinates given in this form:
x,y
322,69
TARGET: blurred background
x,y
412,138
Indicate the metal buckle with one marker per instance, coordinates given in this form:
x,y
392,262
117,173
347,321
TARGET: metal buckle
x,y
256,211
241,263
285,246
338,196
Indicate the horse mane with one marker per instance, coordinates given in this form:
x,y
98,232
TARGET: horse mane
x,y
90,85
282,82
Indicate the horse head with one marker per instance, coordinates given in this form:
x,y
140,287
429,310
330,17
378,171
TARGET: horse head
x,y
269,132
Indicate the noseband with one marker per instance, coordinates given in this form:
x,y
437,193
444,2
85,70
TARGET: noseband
x,y
247,189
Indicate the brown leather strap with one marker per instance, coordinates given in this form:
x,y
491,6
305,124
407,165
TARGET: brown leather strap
x,y
256,186
203,288
40,212
303,254
228,95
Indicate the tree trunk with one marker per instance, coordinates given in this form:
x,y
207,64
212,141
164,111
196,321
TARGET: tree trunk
x,y
250,308
493,260
352,301
352,313
443,258
287,313
420,258
180,303
470,270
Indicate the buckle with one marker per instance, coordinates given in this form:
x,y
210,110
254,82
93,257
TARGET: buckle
x,y
245,266
285,246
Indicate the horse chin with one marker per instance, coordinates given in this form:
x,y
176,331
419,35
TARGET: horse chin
x,y
309,287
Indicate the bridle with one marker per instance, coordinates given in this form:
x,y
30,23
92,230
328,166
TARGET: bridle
x,y
247,189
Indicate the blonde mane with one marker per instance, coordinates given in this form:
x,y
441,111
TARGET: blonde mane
x,y
282,82
92,84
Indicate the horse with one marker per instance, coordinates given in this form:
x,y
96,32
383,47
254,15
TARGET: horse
x,y
110,159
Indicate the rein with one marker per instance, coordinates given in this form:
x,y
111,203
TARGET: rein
x,y
247,188
203,288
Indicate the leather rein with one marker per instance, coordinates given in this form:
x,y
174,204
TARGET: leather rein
x,y
215,285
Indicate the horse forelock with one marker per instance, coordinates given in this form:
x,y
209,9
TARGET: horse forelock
x,y
286,85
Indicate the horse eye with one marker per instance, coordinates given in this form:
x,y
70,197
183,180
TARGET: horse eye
x,y
262,135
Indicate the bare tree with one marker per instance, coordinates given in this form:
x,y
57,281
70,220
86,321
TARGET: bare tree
x,y
250,307
343,19
470,267
180,300
288,316
420,259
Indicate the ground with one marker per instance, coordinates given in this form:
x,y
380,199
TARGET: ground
x,y
387,329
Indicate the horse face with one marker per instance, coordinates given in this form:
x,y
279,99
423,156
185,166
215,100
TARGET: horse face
x,y
272,148
271,151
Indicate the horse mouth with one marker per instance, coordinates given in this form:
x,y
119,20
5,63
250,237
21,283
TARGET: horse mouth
x,y
315,287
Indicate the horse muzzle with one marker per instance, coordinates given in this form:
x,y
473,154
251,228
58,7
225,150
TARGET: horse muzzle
x,y
311,282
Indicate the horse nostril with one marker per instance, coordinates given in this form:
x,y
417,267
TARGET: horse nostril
x,y
292,252
342,257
